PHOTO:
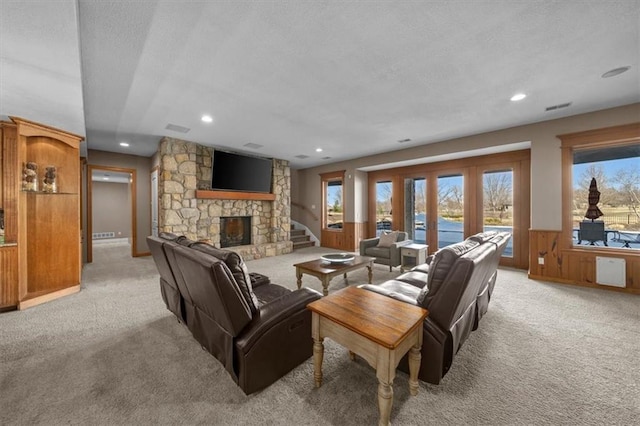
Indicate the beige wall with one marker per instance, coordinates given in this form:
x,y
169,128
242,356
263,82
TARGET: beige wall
x,y
546,195
142,166
111,208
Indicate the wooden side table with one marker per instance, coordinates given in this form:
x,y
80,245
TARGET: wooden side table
x,y
412,255
378,328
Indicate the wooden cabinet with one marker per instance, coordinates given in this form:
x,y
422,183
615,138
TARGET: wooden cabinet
x,y
42,229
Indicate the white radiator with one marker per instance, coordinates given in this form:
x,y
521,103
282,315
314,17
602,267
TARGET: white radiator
x,y
101,235
610,271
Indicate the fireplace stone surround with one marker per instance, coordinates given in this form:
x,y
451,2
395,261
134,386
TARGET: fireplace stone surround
x,y
186,167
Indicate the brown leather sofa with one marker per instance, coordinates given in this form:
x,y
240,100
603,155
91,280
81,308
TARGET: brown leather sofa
x,y
455,286
258,332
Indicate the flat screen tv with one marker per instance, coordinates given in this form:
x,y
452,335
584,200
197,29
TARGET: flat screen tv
x,y
237,172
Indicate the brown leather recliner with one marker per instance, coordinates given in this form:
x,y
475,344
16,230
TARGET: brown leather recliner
x,y
452,287
169,290
258,334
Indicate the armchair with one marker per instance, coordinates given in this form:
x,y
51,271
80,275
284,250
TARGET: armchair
x,y
386,252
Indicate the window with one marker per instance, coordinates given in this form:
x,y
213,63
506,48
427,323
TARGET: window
x,y
601,189
333,200
606,197
384,209
497,204
450,209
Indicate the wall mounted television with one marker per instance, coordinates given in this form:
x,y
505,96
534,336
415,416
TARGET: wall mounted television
x,y
237,172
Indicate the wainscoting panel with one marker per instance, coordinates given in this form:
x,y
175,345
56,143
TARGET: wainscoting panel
x,y
9,277
565,264
348,239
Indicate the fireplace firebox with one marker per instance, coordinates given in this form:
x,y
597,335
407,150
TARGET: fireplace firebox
x,y
235,231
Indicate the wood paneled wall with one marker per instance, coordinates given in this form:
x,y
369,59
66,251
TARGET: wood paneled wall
x,y
574,265
564,262
9,277
348,239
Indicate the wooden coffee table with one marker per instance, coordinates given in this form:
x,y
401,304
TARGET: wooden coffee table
x,y
378,328
325,271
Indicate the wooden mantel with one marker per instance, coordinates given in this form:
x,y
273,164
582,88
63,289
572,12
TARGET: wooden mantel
x,y
234,195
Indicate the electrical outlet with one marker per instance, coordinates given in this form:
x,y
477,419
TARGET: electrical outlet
x,y
541,261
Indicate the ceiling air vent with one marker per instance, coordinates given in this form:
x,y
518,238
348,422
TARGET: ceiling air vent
x,y
404,140
559,106
176,128
302,156
253,145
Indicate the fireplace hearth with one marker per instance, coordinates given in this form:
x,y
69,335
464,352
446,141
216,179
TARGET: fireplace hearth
x,y
235,231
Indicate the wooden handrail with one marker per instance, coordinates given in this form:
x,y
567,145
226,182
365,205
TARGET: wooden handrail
x,y
305,208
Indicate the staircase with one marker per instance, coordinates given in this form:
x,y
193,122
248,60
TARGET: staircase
x,y
300,239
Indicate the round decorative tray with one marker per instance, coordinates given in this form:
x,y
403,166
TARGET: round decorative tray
x,y
338,257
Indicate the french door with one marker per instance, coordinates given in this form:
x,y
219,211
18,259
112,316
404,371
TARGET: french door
x,y
434,208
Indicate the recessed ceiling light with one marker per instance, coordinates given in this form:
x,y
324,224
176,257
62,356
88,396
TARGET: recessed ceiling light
x,y
518,97
615,71
318,149
124,144
207,118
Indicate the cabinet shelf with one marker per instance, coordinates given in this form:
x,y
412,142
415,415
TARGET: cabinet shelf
x,y
49,193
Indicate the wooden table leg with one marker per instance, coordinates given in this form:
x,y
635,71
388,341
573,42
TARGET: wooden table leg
x,y
352,356
318,355
370,268
299,277
414,367
325,285
318,349
385,373
385,401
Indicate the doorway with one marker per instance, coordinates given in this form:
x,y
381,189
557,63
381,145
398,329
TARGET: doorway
x,y
111,209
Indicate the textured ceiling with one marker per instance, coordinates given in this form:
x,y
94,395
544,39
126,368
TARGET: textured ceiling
x,y
352,77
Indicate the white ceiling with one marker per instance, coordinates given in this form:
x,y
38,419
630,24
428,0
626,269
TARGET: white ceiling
x,y
352,77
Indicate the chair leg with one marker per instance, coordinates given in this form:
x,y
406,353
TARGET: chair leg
x,y
390,268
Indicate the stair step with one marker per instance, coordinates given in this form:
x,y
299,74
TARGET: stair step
x,y
303,244
296,232
299,238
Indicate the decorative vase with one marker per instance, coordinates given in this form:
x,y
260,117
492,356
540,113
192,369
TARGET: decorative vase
x,y
30,176
49,180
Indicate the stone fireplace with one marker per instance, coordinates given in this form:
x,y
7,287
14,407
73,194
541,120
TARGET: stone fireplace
x,y
186,207
235,231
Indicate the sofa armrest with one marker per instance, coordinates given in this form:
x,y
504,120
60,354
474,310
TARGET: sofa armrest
x,y
274,313
258,279
367,243
396,290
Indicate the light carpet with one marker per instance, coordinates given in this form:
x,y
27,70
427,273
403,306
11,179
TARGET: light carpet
x,y
113,354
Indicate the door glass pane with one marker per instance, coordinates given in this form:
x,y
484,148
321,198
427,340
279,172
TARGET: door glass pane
x,y
497,197
384,190
335,209
450,210
415,208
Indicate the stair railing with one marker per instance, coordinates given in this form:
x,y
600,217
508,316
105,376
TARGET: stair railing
x,y
306,209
